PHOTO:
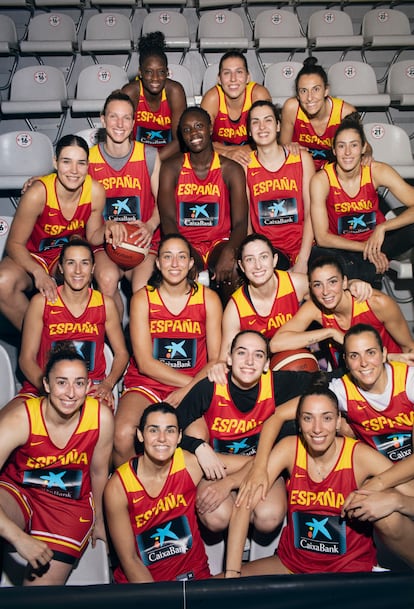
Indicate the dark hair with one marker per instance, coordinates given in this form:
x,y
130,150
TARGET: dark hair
x,y
76,242
260,103
249,239
230,55
243,332
71,140
254,237
117,95
156,277
63,350
360,329
163,407
318,387
321,261
351,121
152,45
311,66
204,115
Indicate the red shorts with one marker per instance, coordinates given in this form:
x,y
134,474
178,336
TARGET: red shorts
x,y
65,526
47,259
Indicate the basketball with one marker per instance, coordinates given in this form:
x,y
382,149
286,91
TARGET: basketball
x,y
298,360
127,255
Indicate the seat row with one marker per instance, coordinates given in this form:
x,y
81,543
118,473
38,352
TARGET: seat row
x,y
273,29
27,153
41,89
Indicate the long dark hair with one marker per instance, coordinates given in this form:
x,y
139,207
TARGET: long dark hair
x,y
156,278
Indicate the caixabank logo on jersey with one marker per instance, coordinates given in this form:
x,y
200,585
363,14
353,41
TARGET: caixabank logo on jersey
x,y
166,540
319,533
278,211
177,353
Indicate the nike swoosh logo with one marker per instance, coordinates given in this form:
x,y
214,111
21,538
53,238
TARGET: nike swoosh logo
x,y
99,169
361,407
36,443
300,476
55,312
137,499
222,404
83,519
155,310
254,173
251,322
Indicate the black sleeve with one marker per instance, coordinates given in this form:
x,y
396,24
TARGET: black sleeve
x,y
195,403
191,444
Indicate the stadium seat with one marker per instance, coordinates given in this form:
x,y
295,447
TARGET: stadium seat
x,y
387,28
400,84
278,29
332,29
7,381
91,136
221,30
108,33
391,145
210,77
50,34
23,154
149,3
37,91
183,75
174,27
8,36
280,80
355,82
94,85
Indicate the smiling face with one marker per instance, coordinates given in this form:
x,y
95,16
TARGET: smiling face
x,y
160,436
233,77
263,125
312,94
196,131
153,74
258,262
319,421
327,286
67,387
348,149
77,267
71,167
365,361
248,360
118,121
174,261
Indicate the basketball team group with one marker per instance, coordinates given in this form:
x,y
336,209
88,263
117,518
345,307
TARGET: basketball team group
x,y
266,381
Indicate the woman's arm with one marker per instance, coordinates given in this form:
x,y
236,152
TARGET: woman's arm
x,y
31,339
289,111
280,458
294,334
301,263
178,103
99,469
115,335
388,311
122,536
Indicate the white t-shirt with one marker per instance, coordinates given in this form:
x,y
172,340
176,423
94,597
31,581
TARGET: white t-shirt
x,y
379,401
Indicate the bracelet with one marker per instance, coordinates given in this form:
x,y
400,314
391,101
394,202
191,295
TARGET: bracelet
x,y
233,571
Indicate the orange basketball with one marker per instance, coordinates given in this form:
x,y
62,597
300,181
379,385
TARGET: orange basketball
x,y
127,255
299,360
